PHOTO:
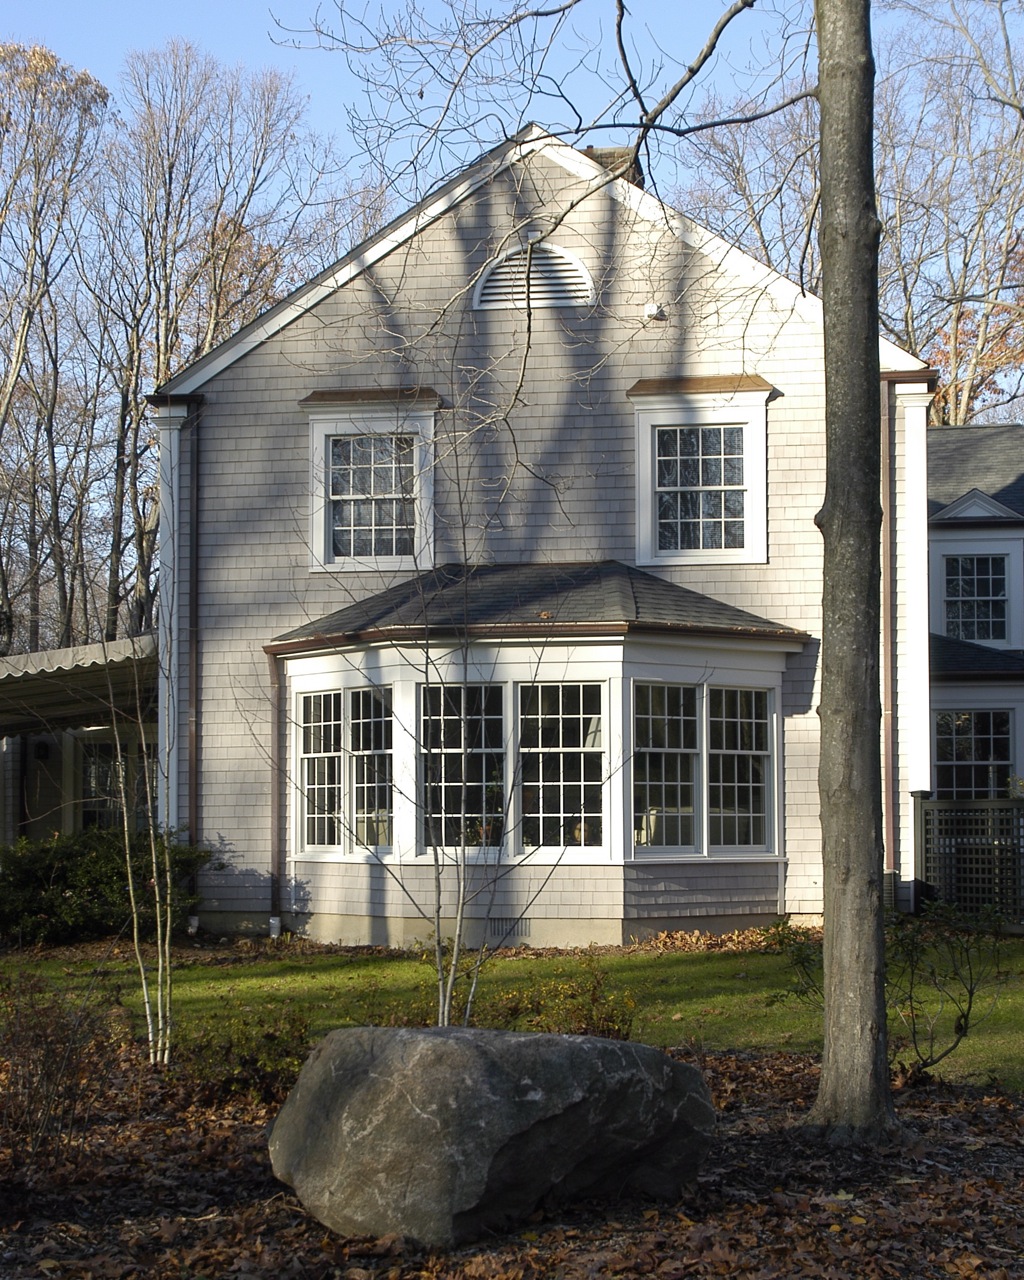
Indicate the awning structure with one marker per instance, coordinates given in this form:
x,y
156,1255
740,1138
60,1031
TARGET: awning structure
x,y
80,687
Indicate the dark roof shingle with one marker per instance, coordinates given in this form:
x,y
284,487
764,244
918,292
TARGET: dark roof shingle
x,y
517,599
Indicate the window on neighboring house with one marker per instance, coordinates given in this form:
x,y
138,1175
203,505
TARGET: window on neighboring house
x,y
372,488
462,765
681,732
973,759
701,475
562,765
975,597
321,767
112,777
370,743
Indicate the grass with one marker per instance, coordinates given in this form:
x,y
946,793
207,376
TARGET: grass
x,y
265,1003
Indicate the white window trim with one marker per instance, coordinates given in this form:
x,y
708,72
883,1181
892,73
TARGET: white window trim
x,y
746,409
368,420
980,542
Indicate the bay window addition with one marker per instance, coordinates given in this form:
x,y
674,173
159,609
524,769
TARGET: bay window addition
x,y
322,769
462,765
561,761
702,762
973,758
975,597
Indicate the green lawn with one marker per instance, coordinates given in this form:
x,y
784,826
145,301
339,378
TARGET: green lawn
x,y
266,1000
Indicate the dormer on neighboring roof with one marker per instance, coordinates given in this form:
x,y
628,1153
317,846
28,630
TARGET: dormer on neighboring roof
x,y
975,505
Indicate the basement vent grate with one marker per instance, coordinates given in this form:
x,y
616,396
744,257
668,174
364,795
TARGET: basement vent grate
x,y
537,276
508,927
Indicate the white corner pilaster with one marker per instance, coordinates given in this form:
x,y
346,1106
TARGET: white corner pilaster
x,y
169,419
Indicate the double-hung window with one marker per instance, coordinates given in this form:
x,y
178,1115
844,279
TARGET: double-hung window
x,y
345,769
372,488
701,472
975,597
462,765
702,769
973,755
561,760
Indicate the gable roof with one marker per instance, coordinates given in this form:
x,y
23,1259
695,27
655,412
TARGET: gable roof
x,y
989,460
526,600
580,165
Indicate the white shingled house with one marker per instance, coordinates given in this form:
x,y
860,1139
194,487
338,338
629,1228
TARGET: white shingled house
x,y
494,546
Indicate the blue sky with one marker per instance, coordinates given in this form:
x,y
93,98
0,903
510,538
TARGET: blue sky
x,y
94,35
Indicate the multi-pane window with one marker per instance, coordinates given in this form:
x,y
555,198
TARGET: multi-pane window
x,y
975,597
370,744
371,502
699,488
321,768
973,758
665,764
112,778
462,765
738,767
562,764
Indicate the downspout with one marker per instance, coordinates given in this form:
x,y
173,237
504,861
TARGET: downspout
x,y
888,645
277,868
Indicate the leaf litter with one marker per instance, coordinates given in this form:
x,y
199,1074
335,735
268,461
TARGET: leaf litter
x,y
164,1187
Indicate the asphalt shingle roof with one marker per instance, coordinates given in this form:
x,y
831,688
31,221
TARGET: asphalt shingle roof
x,y
964,660
987,458
517,599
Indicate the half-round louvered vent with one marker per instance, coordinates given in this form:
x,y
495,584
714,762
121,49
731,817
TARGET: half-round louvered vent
x,y
539,275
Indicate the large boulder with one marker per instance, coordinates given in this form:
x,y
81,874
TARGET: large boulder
x,y
444,1133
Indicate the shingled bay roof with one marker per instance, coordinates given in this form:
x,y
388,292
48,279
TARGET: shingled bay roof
x,y
605,597
990,459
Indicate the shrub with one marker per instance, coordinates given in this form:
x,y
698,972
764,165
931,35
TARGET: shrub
x,y
942,974
54,1050
74,888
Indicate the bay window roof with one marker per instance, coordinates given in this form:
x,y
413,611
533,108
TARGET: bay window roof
x,y
510,600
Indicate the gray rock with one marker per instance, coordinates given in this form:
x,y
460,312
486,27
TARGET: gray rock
x,y
445,1133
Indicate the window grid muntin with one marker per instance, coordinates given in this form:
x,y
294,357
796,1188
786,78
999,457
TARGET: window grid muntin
x,y
322,769
739,767
975,597
561,759
699,487
665,765
371,487
973,754
462,764
370,740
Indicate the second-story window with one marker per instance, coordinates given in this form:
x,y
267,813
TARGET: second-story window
x,y
975,597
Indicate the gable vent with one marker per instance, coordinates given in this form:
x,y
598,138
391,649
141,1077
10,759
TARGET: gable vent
x,y
539,275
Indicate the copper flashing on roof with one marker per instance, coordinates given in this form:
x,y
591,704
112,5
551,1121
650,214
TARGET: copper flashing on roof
x,y
699,384
372,395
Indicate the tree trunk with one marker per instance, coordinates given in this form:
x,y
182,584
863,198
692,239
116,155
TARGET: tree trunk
x,y
854,1101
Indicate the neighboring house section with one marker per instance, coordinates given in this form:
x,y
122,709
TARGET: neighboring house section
x,y
494,547
78,738
973,829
